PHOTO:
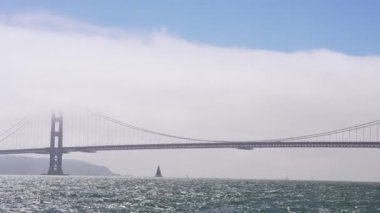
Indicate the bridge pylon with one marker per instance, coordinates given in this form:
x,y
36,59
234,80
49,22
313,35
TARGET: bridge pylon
x,y
56,139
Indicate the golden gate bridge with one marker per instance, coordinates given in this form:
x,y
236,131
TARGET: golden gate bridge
x,y
87,131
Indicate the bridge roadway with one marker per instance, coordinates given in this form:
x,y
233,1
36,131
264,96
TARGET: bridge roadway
x,y
216,145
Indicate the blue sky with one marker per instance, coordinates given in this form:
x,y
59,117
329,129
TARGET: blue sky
x,y
349,26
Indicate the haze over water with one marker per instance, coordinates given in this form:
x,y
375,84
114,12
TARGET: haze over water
x,y
121,194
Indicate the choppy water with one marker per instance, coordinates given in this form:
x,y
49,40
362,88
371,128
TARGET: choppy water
x,y
118,194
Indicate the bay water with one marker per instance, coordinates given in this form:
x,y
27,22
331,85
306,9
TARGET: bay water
x,y
124,194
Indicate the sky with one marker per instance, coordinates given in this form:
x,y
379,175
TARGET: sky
x,y
348,26
224,70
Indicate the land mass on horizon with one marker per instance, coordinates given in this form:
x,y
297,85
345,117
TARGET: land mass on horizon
x,y
20,165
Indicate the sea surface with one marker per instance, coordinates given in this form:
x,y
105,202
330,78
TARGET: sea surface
x,y
122,194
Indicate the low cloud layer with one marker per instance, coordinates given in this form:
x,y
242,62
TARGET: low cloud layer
x,y
169,84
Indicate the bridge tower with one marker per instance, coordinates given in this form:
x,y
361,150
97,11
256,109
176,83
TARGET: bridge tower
x,y
56,137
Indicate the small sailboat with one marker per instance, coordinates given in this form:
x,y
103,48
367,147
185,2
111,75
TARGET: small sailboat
x,y
158,172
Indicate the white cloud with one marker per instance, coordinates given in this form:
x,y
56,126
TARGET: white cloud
x,y
172,85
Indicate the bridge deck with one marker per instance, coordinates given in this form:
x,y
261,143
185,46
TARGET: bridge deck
x,y
230,145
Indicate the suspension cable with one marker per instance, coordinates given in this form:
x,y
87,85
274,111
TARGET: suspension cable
x,y
328,133
118,122
15,128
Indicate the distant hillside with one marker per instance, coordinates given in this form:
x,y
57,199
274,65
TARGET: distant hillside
x,y
16,165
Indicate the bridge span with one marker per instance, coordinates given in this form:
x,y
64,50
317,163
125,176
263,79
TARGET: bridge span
x,y
99,132
223,145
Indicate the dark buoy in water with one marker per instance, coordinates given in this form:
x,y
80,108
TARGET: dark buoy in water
x,y
158,172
